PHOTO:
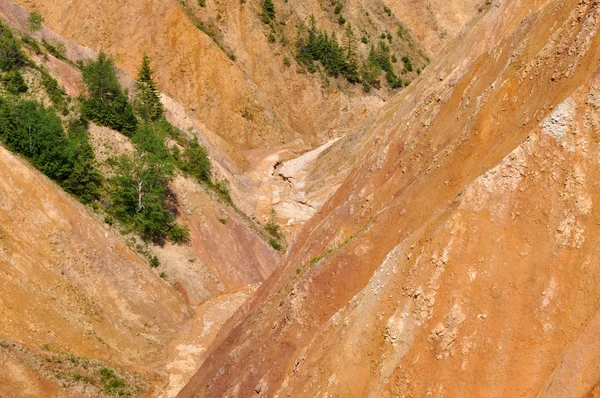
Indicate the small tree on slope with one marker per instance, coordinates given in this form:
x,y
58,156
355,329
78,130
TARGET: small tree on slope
x,y
147,101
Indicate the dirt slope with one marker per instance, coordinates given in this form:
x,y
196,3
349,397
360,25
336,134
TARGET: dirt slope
x,y
464,253
255,100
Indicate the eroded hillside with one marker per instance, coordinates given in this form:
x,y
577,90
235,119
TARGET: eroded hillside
x,y
459,257
90,308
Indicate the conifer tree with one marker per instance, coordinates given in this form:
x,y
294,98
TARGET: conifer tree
x,y
351,67
147,101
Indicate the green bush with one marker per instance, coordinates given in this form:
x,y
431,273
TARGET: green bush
x,y
196,161
106,103
14,82
56,93
35,21
268,11
11,56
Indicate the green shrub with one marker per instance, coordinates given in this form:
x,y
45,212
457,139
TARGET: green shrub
x,y
11,56
202,3
14,82
387,10
268,11
287,62
112,383
56,48
56,93
338,8
154,262
276,244
196,161
35,21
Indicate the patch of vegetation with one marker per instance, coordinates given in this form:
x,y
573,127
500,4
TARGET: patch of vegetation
x,y
29,129
35,22
56,48
276,239
14,82
154,262
318,46
140,194
58,96
112,384
147,97
195,161
106,103
11,56
387,10
268,11
379,61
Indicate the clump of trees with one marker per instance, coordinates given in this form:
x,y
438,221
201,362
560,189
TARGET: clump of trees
x,y
36,133
106,103
378,61
318,46
140,193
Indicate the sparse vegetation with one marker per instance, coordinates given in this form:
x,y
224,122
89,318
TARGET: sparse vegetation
x,y
112,384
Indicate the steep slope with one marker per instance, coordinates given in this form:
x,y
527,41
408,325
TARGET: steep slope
x,y
80,300
255,100
460,257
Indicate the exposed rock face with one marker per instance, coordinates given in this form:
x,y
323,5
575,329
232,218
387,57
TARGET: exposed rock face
x,y
463,254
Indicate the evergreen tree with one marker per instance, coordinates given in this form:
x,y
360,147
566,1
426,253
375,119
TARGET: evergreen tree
x,y
147,101
107,103
351,68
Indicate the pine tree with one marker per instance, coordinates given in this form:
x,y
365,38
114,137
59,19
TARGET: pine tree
x,y
147,101
351,68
